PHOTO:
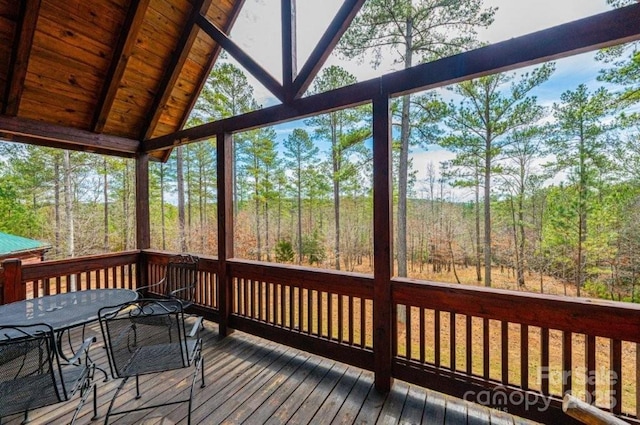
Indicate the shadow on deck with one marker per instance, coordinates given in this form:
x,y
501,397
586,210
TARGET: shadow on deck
x,y
254,381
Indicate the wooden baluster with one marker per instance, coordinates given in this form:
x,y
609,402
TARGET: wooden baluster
x,y
351,318
469,344
615,376
320,311
423,342
340,318
408,341
485,348
436,337
363,304
567,363
291,309
590,360
452,340
283,304
544,360
524,357
309,311
504,347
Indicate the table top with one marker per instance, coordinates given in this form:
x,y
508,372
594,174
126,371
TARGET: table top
x,y
63,311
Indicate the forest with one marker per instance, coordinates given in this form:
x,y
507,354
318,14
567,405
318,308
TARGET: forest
x,y
533,190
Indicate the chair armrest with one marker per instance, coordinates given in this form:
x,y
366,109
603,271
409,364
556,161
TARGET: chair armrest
x,y
173,293
147,287
196,327
83,350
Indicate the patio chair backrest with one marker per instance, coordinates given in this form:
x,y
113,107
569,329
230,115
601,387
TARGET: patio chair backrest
x,y
144,336
181,278
29,369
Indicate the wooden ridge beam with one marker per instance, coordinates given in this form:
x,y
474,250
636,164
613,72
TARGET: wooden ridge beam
x,y
174,68
28,18
45,134
242,57
325,46
128,36
595,32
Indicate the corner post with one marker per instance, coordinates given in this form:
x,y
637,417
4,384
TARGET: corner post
x,y
224,150
382,245
13,289
143,226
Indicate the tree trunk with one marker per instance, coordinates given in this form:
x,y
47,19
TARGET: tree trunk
x,y
105,194
68,207
162,222
182,240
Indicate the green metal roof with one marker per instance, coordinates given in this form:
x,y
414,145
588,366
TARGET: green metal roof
x,y
11,243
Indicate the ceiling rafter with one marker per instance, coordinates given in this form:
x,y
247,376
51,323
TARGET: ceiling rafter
x,y
211,62
130,28
289,46
45,134
603,30
340,23
29,12
173,70
242,57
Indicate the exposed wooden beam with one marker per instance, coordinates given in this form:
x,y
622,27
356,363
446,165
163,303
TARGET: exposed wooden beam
x,y
242,57
27,20
210,62
174,68
592,33
44,134
325,46
126,42
289,47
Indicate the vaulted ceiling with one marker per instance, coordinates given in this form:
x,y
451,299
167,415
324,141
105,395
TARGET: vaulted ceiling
x,y
107,72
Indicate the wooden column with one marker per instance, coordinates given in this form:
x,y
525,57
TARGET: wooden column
x,y
143,222
382,243
13,289
224,147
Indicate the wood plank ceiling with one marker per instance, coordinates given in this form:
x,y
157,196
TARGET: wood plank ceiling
x,y
102,75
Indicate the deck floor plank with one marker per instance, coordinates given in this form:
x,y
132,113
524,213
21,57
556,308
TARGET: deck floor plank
x,y
253,381
332,404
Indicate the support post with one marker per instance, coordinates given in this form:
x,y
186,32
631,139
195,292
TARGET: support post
x,y
143,226
224,149
382,244
13,289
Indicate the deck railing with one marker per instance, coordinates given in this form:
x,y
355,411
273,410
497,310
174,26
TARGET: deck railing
x,y
518,351
511,350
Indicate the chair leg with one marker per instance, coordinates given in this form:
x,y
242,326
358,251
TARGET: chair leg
x,y
83,399
95,403
137,388
113,400
26,418
204,384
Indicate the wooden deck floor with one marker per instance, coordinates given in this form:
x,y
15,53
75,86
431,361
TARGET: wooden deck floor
x,y
255,381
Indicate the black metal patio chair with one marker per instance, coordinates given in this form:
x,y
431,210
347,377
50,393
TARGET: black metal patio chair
x,y
150,336
179,282
33,374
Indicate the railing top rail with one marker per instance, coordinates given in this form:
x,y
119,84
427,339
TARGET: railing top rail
x,y
347,283
609,319
47,269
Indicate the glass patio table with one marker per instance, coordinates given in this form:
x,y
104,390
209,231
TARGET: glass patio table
x,y
64,311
